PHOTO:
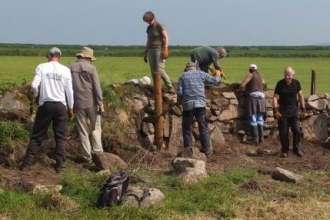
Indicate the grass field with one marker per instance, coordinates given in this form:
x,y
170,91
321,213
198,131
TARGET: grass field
x,y
15,69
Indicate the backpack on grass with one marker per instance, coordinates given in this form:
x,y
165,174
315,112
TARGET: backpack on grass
x,y
114,190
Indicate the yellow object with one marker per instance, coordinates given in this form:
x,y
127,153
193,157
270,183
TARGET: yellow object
x,y
218,73
101,108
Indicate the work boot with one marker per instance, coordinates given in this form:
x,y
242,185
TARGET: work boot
x,y
261,133
58,165
255,136
298,153
284,155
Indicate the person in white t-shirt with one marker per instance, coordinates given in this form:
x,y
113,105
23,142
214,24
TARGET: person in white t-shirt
x,y
52,87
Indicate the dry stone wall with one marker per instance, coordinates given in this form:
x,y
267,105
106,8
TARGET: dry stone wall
x,y
226,115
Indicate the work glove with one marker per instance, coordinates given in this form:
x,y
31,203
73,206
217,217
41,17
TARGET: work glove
x,y
70,112
165,53
100,110
277,115
220,74
145,56
303,113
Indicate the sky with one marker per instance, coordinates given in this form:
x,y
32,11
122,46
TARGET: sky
x,y
188,22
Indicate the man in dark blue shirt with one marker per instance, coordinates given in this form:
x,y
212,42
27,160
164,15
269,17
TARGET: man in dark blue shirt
x,y
287,96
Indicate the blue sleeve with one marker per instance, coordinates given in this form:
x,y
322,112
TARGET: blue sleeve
x,y
179,91
210,79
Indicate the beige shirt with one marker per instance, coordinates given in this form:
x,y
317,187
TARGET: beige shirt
x,y
86,85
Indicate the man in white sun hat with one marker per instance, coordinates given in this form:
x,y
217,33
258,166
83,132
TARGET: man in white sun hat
x,y
88,103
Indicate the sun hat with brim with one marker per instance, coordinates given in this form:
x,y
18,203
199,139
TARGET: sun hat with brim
x,y
86,52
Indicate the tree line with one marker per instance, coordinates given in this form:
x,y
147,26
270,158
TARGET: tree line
x,y
137,50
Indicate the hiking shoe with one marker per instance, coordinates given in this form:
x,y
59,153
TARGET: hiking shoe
x,y
23,167
208,154
298,153
284,155
58,165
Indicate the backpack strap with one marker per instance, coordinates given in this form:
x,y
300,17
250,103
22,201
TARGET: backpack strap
x,y
146,192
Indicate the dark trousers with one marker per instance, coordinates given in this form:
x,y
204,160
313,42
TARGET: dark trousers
x,y
284,123
56,113
187,120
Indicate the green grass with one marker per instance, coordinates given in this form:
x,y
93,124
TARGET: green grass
x,y
14,69
220,196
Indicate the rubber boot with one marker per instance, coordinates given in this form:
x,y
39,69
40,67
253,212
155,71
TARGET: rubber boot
x,y
261,133
255,136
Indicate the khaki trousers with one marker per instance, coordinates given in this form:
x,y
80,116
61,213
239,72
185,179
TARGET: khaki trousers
x,y
89,131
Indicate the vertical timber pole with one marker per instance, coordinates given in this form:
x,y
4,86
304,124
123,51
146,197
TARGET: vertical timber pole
x,y
313,82
159,125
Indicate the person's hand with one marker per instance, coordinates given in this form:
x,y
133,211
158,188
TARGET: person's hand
x,y
277,115
165,53
70,112
303,113
100,109
145,56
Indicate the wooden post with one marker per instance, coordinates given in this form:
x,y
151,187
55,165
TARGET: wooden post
x,y
159,125
313,82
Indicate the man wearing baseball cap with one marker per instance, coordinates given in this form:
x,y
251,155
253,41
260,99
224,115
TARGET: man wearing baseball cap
x,y
191,95
255,103
52,84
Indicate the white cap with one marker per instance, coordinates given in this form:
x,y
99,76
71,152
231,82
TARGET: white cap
x,y
252,67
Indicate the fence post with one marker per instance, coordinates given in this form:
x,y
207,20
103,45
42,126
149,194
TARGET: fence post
x,y
313,82
159,125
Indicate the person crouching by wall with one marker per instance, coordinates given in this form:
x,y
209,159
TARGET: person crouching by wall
x,y
255,103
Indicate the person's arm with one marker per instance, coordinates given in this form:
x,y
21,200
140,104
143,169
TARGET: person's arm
x,y
179,92
301,100
97,91
69,90
211,79
165,37
36,82
245,81
275,100
165,45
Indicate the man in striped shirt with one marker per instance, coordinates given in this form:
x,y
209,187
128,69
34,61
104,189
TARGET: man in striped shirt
x,y
191,95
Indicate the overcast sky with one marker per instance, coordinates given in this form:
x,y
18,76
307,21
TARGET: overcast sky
x,y
188,22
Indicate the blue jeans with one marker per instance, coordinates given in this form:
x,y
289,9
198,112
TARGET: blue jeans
x,y
187,120
157,65
257,119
